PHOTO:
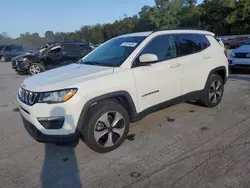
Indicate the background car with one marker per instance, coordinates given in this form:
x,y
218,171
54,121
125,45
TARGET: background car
x,y
220,41
240,57
9,51
233,43
53,56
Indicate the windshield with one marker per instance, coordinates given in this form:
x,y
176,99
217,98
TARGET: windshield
x,y
114,52
247,42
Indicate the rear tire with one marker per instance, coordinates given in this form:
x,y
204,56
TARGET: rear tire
x,y
213,91
35,68
106,127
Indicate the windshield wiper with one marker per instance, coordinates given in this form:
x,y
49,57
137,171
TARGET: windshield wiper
x,y
90,63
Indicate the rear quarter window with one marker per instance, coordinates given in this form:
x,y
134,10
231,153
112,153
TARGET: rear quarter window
x,y
191,43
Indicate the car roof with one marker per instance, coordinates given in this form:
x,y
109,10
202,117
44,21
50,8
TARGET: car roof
x,y
68,42
170,31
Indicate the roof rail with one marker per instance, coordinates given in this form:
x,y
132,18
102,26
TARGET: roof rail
x,y
180,28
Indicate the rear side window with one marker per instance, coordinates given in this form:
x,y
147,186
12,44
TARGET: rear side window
x,y
163,47
70,47
191,43
84,46
1,48
7,49
17,48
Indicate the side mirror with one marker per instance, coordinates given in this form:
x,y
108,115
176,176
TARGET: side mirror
x,y
148,58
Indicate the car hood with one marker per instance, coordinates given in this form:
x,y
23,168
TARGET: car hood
x,y
243,48
16,58
64,77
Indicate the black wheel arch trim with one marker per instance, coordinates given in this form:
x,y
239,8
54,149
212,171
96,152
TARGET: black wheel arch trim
x,y
216,70
132,109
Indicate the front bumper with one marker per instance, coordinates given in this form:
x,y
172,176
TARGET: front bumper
x,y
239,61
40,137
65,132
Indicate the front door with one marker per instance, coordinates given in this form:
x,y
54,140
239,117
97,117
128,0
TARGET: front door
x,y
160,81
53,58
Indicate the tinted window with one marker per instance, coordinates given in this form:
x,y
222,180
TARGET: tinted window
x,y
247,42
7,49
1,47
84,46
70,47
191,43
17,48
163,47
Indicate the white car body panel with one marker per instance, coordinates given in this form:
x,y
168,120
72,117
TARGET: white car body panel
x,y
167,79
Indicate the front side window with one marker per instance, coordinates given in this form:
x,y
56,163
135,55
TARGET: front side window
x,y
114,52
191,43
163,47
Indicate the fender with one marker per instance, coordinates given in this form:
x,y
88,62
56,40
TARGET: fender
x,y
221,68
132,109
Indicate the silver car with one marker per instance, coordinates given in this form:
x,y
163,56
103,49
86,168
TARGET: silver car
x,y
240,57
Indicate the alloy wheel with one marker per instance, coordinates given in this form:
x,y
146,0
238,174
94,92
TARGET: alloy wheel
x,y
109,129
34,69
215,91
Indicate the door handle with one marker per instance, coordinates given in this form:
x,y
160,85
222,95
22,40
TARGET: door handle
x,y
175,65
206,57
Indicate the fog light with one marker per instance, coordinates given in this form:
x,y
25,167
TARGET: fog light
x,y
51,122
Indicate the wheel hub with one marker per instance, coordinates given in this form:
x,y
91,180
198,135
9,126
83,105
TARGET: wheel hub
x,y
109,129
215,91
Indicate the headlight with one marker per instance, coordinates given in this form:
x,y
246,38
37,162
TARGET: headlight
x,y
57,96
23,59
233,54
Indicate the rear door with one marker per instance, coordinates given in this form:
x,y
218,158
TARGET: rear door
x,y
194,52
71,53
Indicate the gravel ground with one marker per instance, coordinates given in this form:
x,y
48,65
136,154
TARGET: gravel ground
x,y
185,146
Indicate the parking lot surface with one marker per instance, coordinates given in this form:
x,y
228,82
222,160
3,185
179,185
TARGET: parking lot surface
x,y
184,146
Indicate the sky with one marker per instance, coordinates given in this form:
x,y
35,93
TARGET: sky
x,y
63,15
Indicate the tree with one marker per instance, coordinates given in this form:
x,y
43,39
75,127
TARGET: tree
x,y
49,36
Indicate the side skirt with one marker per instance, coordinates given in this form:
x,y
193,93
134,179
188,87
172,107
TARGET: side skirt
x,y
184,98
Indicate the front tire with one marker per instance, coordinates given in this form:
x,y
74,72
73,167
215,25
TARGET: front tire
x,y
35,68
213,91
106,127
3,59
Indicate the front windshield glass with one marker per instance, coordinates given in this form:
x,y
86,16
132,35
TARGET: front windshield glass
x,y
247,42
114,52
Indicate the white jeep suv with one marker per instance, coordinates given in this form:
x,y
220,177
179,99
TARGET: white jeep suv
x,y
121,81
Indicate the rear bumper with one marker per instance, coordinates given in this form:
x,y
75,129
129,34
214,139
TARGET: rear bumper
x,y
40,137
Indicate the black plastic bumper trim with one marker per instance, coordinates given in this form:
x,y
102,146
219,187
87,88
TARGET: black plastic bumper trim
x,y
40,137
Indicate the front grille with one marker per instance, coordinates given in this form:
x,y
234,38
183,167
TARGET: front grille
x,y
28,97
241,55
